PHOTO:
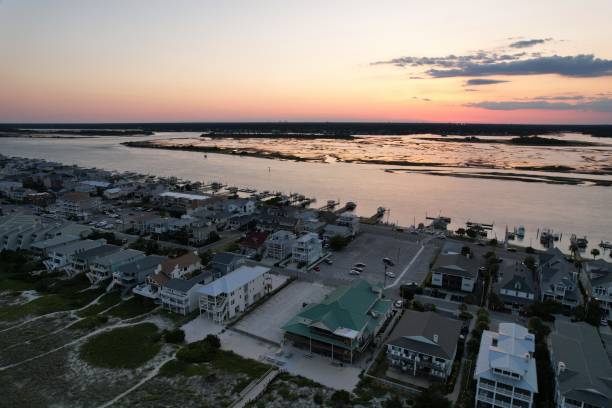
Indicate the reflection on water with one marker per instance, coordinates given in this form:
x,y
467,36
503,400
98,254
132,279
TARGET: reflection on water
x,y
584,210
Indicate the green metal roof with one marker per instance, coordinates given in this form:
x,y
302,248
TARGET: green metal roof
x,y
348,307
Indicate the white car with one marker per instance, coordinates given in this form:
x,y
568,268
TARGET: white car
x,y
398,304
390,274
354,272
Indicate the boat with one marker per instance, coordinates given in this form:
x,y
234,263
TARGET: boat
x,y
605,244
581,243
546,236
520,232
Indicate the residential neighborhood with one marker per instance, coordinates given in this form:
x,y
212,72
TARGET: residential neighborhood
x,y
317,293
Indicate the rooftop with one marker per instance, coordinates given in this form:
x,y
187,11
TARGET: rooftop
x,y
417,330
588,373
511,350
233,280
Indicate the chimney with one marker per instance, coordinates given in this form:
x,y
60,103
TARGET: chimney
x,y
435,338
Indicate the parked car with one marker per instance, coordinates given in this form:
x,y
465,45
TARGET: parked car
x,y
354,272
329,261
398,304
360,265
388,261
316,268
390,274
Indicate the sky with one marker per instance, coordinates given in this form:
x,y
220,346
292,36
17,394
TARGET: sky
x,y
290,60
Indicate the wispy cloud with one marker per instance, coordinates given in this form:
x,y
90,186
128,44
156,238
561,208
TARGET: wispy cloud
x,y
560,98
482,81
595,105
529,43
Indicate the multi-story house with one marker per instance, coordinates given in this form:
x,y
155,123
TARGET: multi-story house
x,y
77,205
455,272
515,285
350,220
225,262
181,266
61,255
582,369
181,295
307,249
559,279
596,278
280,244
344,324
224,298
102,268
505,371
81,262
424,344
135,273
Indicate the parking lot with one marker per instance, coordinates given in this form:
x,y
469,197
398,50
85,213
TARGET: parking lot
x,y
266,321
370,248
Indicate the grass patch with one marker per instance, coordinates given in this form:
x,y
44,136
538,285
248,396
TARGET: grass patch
x,y
125,347
104,303
132,307
231,362
177,367
90,323
241,385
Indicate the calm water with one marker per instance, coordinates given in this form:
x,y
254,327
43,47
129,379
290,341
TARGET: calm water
x,y
584,210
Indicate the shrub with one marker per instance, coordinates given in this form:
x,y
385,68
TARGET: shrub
x,y
174,336
318,398
341,398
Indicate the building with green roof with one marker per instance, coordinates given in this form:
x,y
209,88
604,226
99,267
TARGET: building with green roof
x,y
343,324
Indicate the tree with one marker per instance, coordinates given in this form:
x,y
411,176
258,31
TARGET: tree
x,y
573,248
595,252
471,233
495,302
460,232
465,251
432,397
338,242
529,262
206,257
393,402
538,328
174,336
341,398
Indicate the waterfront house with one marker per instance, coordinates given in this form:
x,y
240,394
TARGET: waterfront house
x,y
223,263
279,245
515,285
582,369
181,295
307,249
103,267
505,371
61,255
350,220
559,279
182,200
225,298
332,230
596,278
455,272
343,324
424,344
136,272
81,262
181,266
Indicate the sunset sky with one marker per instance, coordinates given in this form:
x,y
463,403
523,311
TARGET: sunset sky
x,y
194,60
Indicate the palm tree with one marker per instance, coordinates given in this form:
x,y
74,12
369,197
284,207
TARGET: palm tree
x,y
595,252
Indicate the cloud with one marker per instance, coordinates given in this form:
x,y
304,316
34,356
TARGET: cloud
x,y
416,77
471,90
488,63
481,81
571,66
529,43
560,98
596,105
